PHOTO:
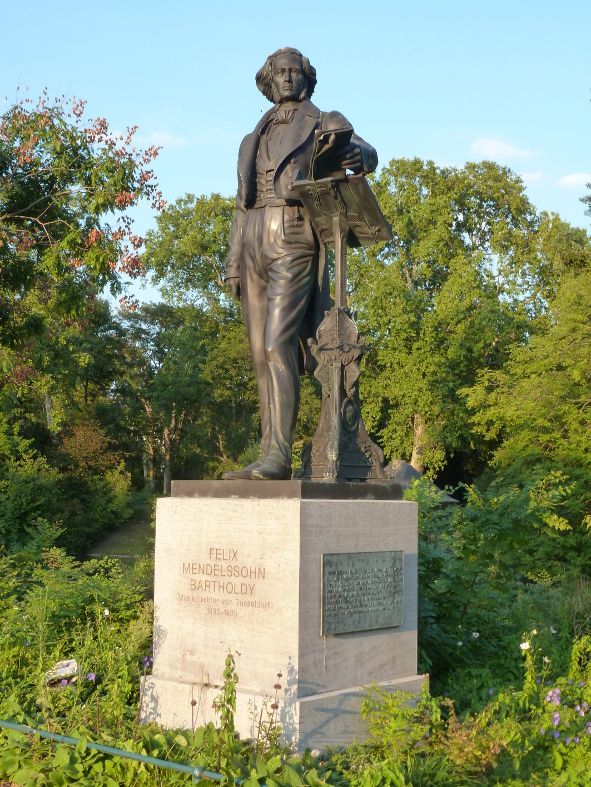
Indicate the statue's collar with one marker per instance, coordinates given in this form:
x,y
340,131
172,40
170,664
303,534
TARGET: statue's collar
x,y
305,107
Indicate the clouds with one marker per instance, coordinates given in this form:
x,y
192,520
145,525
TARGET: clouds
x,y
505,152
491,148
500,150
574,180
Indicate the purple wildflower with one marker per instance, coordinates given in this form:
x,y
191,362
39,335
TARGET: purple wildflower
x,y
147,661
63,683
556,734
91,676
576,739
553,696
567,741
555,719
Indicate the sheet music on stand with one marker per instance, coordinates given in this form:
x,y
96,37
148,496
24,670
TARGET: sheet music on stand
x,y
351,197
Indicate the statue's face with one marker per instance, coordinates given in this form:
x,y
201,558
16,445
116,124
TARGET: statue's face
x,y
289,80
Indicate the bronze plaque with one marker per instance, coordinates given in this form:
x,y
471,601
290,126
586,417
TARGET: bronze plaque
x,y
362,591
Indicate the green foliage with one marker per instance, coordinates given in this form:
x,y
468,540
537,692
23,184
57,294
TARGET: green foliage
x,y
225,703
71,504
58,178
65,185
500,564
189,388
535,411
537,734
187,251
441,301
29,506
94,612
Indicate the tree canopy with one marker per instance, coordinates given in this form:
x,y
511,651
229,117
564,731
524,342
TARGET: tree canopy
x,y
466,277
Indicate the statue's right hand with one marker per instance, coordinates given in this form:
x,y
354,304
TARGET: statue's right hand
x,y
234,285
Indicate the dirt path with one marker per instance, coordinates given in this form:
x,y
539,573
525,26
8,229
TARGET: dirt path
x,y
132,540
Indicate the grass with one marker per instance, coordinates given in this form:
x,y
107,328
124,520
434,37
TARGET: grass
x,y
135,538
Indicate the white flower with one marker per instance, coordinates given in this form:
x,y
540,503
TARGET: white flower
x,y
106,612
534,631
475,634
524,645
552,630
315,753
546,660
460,643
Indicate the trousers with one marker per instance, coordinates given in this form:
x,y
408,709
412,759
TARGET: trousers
x,y
278,271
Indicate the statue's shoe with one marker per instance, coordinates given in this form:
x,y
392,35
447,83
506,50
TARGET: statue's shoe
x,y
244,474
270,469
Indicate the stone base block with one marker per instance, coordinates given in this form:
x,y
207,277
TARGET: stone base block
x,y
238,568
332,718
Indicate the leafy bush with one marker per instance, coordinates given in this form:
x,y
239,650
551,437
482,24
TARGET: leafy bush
x,y
539,734
489,570
29,504
93,505
72,504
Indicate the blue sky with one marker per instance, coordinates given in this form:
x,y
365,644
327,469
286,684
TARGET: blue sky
x,y
448,80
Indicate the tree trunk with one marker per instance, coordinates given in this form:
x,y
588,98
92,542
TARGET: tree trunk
x,y
48,407
170,437
149,458
418,443
166,454
149,462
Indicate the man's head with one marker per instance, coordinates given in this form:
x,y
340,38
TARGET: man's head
x,y
286,76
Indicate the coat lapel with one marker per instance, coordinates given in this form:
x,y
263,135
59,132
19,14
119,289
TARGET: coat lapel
x,y
296,134
247,157
298,131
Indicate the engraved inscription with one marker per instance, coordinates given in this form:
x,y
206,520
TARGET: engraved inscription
x,y
362,591
223,583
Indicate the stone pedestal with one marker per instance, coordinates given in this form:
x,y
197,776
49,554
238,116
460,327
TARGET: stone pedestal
x,y
239,566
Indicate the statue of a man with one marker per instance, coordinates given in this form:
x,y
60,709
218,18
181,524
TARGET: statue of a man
x,y
273,263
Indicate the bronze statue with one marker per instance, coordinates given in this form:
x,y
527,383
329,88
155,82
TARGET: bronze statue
x,y
276,259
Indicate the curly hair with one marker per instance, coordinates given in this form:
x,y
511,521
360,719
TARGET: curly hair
x,y
264,77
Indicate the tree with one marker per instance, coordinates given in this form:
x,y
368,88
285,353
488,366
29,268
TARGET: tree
x,y
65,186
187,255
535,412
59,179
187,251
587,200
445,298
